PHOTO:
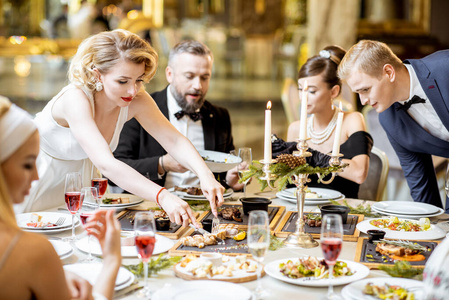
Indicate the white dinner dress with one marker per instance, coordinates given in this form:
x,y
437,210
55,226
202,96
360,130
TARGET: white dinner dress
x,y
60,153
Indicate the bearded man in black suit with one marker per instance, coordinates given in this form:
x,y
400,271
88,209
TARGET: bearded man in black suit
x,y
183,102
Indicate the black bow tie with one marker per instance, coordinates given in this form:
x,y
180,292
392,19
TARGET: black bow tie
x,y
407,104
195,116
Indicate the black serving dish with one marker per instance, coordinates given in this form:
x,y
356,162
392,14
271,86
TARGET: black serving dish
x,y
341,210
254,203
207,225
375,235
162,224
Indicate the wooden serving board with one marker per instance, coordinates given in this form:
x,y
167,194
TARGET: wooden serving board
x,y
275,213
239,276
126,218
288,225
364,248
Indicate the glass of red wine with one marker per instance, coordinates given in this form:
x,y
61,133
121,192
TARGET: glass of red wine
x,y
145,237
331,243
72,192
101,184
90,200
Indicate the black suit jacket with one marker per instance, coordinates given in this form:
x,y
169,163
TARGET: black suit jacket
x,y
141,151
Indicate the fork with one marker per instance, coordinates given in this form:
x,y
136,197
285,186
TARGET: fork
x,y
215,225
60,221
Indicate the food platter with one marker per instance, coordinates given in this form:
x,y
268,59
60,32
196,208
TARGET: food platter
x,y
433,233
360,271
52,217
163,244
219,162
185,196
133,201
91,271
203,290
355,289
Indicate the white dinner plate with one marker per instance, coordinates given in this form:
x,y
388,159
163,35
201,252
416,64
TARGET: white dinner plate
x,y
433,233
355,289
406,207
183,195
311,202
323,194
133,200
440,212
63,249
360,271
91,271
162,245
52,217
219,162
203,290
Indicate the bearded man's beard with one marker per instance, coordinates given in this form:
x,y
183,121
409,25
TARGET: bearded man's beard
x,y
186,106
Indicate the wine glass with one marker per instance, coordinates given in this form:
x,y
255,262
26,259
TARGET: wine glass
x,y
101,184
90,200
258,243
331,243
72,192
144,235
246,156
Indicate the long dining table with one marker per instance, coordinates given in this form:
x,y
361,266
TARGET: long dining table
x,y
278,289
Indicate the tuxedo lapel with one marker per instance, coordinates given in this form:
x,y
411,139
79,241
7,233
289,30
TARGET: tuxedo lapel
x,y
161,100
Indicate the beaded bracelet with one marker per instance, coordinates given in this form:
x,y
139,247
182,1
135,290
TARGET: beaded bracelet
x,y
157,196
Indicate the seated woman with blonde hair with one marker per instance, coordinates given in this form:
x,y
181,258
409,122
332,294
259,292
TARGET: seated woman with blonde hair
x,y
320,72
29,265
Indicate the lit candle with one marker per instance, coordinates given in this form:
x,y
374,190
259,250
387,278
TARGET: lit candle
x,y
336,148
267,144
303,122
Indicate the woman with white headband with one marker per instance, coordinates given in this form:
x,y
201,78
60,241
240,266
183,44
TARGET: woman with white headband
x,y
81,126
29,266
324,86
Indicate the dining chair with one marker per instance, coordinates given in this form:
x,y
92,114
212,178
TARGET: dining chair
x,y
374,187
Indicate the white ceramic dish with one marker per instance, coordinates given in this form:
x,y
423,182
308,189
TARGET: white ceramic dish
x,y
162,245
52,217
203,290
91,271
355,289
63,249
360,271
323,194
440,212
219,161
406,207
433,233
311,202
133,201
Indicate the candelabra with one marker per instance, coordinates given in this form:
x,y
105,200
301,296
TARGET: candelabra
x,y
300,238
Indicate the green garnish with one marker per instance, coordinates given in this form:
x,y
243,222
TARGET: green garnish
x,y
402,269
155,265
359,209
405,244
275,243
107,200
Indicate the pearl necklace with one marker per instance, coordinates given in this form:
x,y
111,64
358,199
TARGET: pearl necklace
x,y
320,137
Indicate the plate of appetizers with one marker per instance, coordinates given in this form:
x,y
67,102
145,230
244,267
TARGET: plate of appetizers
x,y
163,244
219,162
203,290
48,222
384,288
194,193
408,229
314,273
119,200
91,271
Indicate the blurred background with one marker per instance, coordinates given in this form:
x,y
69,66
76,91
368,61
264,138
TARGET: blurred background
x,y
258,47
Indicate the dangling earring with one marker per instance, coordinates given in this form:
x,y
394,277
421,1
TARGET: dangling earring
x,y
98,86
332,104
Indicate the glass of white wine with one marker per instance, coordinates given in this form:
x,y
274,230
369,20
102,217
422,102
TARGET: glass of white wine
x,y
258,243
246,155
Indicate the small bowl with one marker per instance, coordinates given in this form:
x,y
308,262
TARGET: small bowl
x,y
162,224
335,209
214,258
375,234
207,224
254,203
127,238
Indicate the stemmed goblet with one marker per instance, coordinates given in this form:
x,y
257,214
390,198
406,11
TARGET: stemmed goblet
x,y
101,184
144,235
258,243
246,155
331,243
89,198
72,192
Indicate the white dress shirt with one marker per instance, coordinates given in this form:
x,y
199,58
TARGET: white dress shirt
x,y
424,113
194,132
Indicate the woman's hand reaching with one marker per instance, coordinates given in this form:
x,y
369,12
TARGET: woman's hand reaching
x,y
213,191
178,210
